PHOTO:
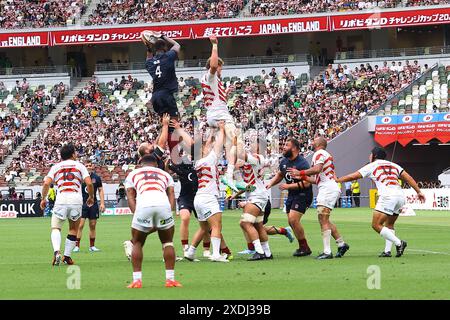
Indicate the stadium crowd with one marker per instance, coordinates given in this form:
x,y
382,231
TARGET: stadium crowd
x,y
39,13
139,11
22,110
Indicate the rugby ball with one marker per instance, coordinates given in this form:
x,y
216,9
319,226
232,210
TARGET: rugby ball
x,y
150,37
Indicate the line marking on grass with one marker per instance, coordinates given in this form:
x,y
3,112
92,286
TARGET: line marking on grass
x,y
428,251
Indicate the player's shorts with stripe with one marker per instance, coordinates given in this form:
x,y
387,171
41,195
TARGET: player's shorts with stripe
x,y
91,213
267,211
206,206
390,204
67,211
163,101
328,197
260,202
187,203
146,218
298,203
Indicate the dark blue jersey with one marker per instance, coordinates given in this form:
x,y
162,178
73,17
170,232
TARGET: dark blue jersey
x,y
299,163
162,69
188,179
97,182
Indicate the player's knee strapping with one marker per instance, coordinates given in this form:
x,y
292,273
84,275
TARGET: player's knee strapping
x,y
322,210
259,219
167,244
247,217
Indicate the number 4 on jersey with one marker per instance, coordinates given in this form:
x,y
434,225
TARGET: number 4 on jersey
x,y
158,71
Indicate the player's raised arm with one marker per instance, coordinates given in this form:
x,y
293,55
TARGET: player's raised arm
x,y
175,45
214,59
180,132
406,177
164,136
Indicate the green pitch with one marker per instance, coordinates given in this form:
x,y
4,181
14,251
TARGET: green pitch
x,y
422,273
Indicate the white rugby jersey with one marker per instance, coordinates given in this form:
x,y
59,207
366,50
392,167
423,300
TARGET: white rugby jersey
x,y
151,185
208,174
68,175
251,174
385,174
214,95
326,177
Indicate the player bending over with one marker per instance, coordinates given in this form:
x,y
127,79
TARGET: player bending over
x,y
206,201
329,192
68,175
391,199
299,192
215,101
151,198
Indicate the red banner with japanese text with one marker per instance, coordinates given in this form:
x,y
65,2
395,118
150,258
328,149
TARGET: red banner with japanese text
x,y
388,19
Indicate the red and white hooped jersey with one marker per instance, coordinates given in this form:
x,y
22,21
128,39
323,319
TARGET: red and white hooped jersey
x,y
214,94
385,174
208,175
251,174
68,176
151,184
326,177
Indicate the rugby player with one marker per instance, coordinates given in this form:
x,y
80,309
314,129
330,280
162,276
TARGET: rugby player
x,y
215,101
206,199
91,213
299,192
151,198
391,199
323,170
68,175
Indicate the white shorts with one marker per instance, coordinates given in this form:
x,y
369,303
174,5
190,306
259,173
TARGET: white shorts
x,y
206,206
391,204
260,202
147,218
327,198
67,211
214,117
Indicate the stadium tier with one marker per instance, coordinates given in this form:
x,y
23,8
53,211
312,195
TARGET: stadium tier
x,y
111,118
22,108
17,14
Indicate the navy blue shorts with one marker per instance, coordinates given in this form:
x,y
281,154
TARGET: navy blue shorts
x,y
91,213
164,102
187,203
298,203
267,211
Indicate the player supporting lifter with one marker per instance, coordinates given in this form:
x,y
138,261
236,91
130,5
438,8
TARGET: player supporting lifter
x,y
329,192
299,192
151,198
391,199
215,101
160,64
68,175
206,201
91,213
184,169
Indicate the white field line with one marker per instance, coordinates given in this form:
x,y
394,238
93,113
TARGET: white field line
x,y
428,251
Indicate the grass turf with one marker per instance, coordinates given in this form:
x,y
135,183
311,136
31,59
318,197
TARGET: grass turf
x,y
422,273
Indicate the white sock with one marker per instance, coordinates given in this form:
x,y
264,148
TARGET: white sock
x,y
185,247
389,235
215,243
137,275
266,248
69,247
388,246
258,247
170,274
56,239
326,237
340,242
